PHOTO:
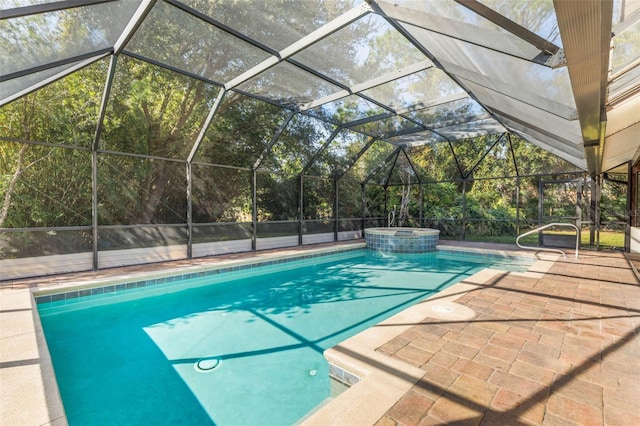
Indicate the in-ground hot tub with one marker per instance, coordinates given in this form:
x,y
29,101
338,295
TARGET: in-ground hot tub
x,y
402,240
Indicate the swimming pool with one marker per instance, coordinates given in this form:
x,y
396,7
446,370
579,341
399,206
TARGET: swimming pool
x,y
243,347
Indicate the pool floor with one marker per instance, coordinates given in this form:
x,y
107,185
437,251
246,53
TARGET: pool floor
x,y
133,358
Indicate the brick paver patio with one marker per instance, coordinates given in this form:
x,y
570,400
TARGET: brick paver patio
x,y
560,350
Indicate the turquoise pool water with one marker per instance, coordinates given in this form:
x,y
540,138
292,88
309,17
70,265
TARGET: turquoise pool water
x,y
132,357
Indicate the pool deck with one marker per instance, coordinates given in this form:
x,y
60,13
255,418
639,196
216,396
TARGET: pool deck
x,y
558,345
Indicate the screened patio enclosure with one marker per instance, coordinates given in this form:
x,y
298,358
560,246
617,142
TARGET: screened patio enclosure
x,y
137,131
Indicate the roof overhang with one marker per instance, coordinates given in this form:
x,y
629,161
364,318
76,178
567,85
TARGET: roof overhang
x,y
585,28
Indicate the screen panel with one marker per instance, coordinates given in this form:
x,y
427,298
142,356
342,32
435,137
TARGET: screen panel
x,y
276,23
40,39
171,36
240,131
363,50
134,190
44,192
64,112
220,194
154,111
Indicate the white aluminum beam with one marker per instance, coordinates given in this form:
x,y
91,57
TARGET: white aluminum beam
x,y
507,24
37,9
434,102
136,20
628,22
103,102
518,93
474,34
368,119
630,67
53,78
378,81
319,34
570,152
529,136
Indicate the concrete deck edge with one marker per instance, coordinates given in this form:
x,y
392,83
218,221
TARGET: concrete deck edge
x,y
29,394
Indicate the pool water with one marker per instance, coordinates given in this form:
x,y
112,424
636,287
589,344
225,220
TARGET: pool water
x,y
239,348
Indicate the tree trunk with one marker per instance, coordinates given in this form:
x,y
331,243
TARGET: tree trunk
x,y
6,204
153,196
12,185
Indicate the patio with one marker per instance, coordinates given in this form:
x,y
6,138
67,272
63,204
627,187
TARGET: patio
x,y
555,348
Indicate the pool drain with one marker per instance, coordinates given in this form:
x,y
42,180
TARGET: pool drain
x,y
206,365
442,309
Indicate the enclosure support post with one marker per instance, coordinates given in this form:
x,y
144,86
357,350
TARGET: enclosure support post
x,y
597,206
254,210
386,207
515,166
464,208
94,156
633,184
189,212
517,205
94,206
335,209
363,196
592,211
579,183
301,209
540,210
627,228
421,205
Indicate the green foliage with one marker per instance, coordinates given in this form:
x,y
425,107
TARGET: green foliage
x,y
50,186
375,201
277,197
46,194
613,199
487,200
64,112
318,198
212,200
349,196
242,129
153,111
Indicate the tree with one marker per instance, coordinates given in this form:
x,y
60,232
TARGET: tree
x,y
39,191
153,112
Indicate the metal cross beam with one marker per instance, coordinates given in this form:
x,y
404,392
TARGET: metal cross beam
x,y
274,139
378,81
319,34
90,60
134,23
507,24
355,159
205,126
468,33
20,12
319,151
381,166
